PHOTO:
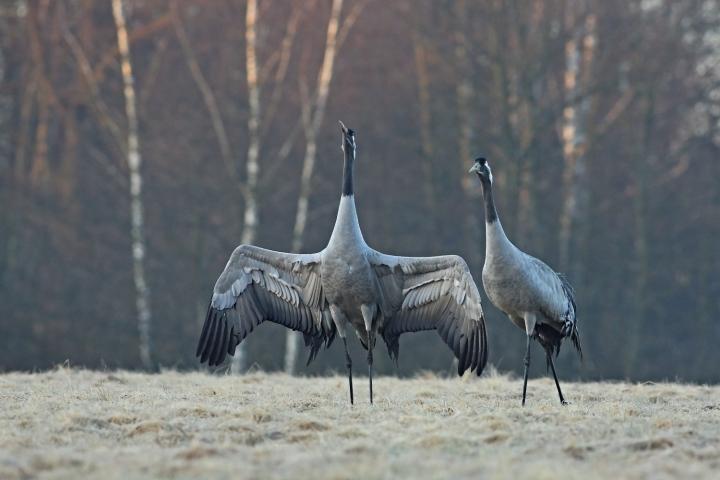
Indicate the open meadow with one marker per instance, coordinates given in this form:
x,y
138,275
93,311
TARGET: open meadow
x,y
71,423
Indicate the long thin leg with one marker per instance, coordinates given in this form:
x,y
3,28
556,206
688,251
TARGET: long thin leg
x,y
370,363
527,366
368,314
557,384
348,364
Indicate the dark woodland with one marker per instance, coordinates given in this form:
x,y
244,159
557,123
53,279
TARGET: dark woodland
x,y
601,119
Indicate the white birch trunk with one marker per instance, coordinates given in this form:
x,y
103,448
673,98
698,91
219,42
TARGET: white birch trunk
x,y
317,114
569,141
250,216
578,60
142,292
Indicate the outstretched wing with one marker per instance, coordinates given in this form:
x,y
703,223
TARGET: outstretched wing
x,y
432,293
258,285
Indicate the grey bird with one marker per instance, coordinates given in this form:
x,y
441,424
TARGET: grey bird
x,y
348,285
535,297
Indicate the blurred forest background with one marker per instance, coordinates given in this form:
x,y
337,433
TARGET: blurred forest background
x,y
601,119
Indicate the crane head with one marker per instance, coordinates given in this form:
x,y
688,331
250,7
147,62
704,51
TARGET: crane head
x,y
482,168
348,141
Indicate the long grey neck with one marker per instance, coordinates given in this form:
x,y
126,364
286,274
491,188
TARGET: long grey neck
x,y
490,212
347,186
496,242
347,227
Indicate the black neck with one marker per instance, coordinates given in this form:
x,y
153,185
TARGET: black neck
x,y
347,187
490,212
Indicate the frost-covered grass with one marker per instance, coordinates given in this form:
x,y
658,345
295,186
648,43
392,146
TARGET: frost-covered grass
x,y
83,424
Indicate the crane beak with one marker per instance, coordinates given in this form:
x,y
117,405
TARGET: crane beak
x,y
474,168
343,127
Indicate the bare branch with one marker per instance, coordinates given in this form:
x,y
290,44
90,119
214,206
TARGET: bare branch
x,y
205,90
281,72
97,103
617,109
282,155
107,165
349,21
108,58
152,73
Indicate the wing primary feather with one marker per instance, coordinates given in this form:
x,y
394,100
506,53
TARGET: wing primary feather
x,y
257,305
472,350
462,352
281,312
222,347
452,328
203,334
215,345
231,341
212,361
476,346
484,348
211,334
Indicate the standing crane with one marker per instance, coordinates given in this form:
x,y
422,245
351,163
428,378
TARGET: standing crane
x,y
533,296
347,286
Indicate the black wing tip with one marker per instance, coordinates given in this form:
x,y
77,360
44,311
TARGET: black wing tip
x,y
316,340
575,338
569,291
315,343
476,355
217,339
392,342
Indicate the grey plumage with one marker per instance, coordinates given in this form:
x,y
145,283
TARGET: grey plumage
x,y
432,293
346,285
535,297
258,285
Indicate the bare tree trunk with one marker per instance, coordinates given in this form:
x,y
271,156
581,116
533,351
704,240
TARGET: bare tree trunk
x,y
578,61
97,104
67,174
313,120
250,215
7,105
24,129
134,160
8,213
39,173
640,243
464,95
526,122
425,117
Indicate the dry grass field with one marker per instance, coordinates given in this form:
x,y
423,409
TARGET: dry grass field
x,y
82,424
